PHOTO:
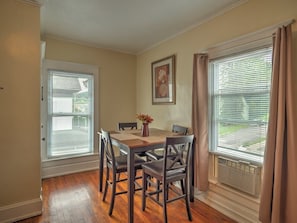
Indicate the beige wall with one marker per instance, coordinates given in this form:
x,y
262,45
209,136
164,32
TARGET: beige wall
x,y
249,17
124,82
116,78
19,102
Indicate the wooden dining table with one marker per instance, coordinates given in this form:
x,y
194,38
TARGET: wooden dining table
x,y
133,142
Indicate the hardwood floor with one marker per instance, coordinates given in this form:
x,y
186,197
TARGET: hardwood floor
x,y
75,198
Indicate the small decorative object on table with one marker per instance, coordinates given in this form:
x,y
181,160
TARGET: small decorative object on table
x,y
146,119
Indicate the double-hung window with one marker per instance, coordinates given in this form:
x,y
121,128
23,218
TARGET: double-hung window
x,y
240,86
70,113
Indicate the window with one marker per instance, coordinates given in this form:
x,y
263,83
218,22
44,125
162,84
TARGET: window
x,y
70,113
239,102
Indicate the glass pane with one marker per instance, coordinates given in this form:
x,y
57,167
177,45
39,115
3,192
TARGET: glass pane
x,y
70,114
243,137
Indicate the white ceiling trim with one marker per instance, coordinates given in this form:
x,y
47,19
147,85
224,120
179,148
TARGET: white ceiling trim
x,y
31,2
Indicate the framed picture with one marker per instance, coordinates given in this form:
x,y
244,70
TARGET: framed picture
x,y
163,81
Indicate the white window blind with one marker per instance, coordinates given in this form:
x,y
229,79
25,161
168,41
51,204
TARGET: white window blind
x,y
240,97
70,113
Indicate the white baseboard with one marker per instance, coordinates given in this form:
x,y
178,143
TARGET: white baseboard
x,y
236,205
21,210
53,168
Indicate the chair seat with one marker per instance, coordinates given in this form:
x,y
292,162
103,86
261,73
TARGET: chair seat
x,y
156,154
121,163
155,169
125,152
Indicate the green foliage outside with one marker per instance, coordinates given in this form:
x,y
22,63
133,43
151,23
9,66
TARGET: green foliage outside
x,y
228,129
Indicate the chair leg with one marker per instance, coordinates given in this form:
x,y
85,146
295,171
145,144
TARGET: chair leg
x,y
136,184
144,188
182,186
187,200
113,191
165,197
106,183
158,188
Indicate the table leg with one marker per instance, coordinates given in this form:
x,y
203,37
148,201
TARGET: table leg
x,y
192,174
131,187
192,184
101,161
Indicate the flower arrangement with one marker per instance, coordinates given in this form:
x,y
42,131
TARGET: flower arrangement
x,y
144,118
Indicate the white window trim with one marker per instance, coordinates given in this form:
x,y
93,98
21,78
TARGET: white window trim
x,y
59,166
253,41
245,43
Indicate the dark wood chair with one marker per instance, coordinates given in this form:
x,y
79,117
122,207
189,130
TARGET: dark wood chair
x,y
117,165
169,170
157,154
127,125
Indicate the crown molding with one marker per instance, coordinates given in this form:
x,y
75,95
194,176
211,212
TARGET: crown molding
x,y
32,2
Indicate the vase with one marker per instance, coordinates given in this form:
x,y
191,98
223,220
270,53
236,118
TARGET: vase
x,y
145,129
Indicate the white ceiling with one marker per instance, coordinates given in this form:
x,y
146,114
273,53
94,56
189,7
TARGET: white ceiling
x,y
131,26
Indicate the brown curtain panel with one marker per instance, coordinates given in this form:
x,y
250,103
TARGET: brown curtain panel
x,y
200,120
279,187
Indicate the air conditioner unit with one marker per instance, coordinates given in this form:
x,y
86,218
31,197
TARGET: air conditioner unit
x,y
240,175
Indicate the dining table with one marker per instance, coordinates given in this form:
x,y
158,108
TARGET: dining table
x,y
133,142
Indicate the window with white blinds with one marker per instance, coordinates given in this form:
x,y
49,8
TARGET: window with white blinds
x,y
70,113
239,103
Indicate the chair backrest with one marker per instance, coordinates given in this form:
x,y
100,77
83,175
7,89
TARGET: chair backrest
x,y
108,148
180,129
182,147
127,125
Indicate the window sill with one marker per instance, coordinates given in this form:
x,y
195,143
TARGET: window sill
x,y
58,167
237,155
69,157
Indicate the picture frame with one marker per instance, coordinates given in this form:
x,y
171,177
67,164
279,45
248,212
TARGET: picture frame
x,y
163,81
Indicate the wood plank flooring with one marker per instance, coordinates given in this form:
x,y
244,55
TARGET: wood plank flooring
x,y
75,198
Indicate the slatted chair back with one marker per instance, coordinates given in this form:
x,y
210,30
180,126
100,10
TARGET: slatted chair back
x,y
108,148
180,129
127,125
181,146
